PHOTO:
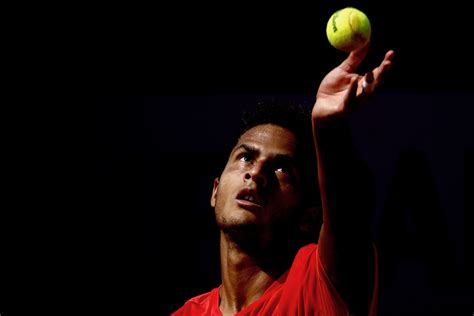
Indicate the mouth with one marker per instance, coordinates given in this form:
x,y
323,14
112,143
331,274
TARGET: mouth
x,y
249,199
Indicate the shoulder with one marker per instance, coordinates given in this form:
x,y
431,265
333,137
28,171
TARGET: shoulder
x,y
304,263
201,304
307,249
306,252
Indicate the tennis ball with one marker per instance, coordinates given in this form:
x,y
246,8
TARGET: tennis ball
x,y
348,29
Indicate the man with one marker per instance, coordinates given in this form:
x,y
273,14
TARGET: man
x,y
265,195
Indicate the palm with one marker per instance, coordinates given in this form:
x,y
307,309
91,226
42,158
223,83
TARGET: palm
x,y
343,84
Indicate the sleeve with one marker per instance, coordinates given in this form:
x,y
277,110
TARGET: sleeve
x,y
309,291
328,297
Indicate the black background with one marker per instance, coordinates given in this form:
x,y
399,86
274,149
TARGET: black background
x,y
170,95
204,49
171,84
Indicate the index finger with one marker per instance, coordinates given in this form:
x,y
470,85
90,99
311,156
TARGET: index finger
x,y
354,59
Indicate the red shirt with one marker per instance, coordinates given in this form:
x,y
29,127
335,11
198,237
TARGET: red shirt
x,y
305,289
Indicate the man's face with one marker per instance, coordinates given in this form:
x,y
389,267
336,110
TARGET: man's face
x,y
260,185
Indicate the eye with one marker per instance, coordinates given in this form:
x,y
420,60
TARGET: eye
x,y
283,166
245,157
283,169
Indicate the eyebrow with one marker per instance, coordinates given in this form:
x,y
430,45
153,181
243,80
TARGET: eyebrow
x,y
255,151
248,148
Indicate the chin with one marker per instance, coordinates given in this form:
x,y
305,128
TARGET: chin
x,y
238,221
239,227
237,217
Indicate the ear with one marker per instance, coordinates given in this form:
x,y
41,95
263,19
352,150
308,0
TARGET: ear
x,y
311,220
214,192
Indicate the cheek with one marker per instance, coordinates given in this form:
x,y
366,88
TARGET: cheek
x,y
223,192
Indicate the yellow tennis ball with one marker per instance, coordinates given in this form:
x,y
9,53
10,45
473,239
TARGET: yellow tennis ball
x,y
348,29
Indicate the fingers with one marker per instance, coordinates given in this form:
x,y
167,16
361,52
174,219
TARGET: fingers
x,y
354,59
389,55
366,87
367,84
371,80
384,66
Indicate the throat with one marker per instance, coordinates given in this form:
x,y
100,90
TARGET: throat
x,y
237,293
245,277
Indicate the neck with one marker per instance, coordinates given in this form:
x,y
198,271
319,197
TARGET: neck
x,y
244,276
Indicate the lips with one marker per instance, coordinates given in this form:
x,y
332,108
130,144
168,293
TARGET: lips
x,y
249,199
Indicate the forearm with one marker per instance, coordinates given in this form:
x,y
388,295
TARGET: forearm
x,y
345,183
346,195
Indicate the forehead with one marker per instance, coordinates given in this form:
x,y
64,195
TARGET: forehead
x,y
270,137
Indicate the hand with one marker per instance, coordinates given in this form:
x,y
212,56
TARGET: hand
x,y
343,87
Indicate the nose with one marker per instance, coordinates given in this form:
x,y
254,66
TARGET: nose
x,y
257,175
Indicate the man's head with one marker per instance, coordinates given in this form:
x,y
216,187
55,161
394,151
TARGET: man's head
x,y
270,180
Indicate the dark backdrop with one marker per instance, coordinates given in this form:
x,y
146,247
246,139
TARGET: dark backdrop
x,y
279,47
170,95
162,170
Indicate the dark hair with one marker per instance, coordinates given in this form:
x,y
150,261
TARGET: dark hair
x,y
292,116
296,118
